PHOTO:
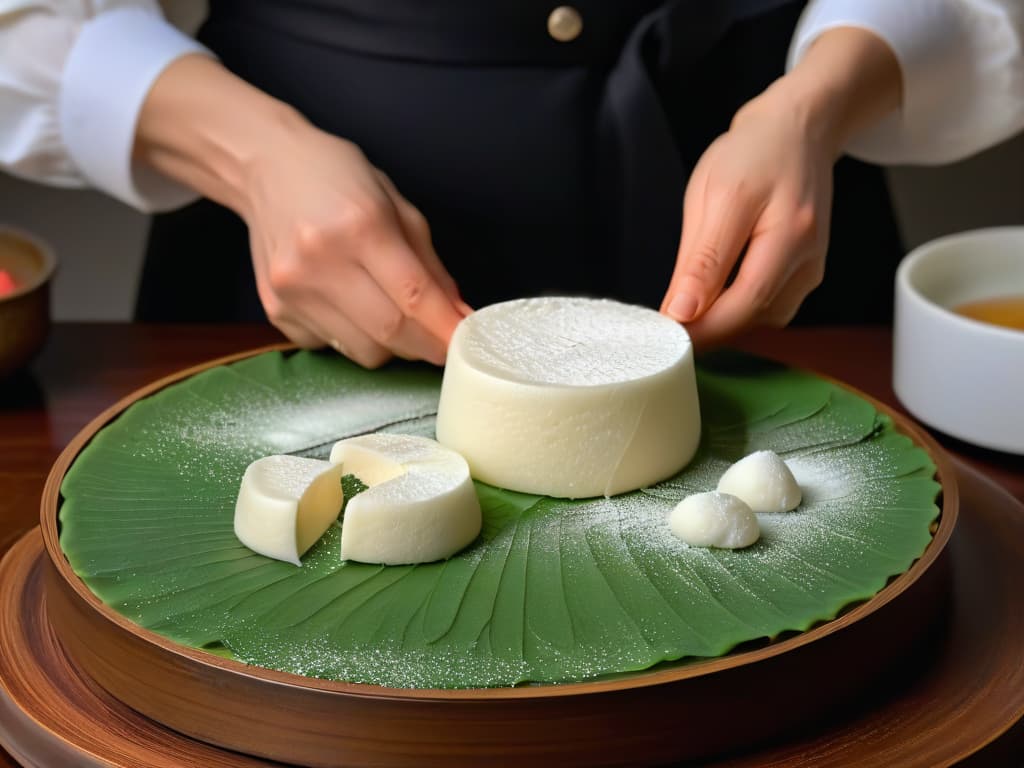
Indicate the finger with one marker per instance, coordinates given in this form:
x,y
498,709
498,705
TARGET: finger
x,y
413,290
788,301
322,320
299,334
721,223
289,325
349,340
417,231
762,277
365,305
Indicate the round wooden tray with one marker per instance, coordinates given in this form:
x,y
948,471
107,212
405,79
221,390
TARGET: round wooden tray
x,y
970,690
680,712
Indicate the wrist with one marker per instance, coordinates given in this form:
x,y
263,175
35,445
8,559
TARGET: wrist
x,y
808,111
207,128
848,80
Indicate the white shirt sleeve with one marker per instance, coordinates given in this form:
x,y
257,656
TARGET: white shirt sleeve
x,y
73,77
963,73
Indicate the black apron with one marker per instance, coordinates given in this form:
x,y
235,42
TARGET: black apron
x,y
542,166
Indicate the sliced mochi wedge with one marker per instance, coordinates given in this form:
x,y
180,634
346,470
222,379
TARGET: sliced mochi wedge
x,y
420,504
714,519
570,397
285,504
763,481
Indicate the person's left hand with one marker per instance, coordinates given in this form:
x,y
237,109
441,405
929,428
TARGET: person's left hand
x,y
765,184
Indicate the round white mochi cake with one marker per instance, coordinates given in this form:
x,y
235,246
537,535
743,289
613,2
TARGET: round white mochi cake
x,y
570,397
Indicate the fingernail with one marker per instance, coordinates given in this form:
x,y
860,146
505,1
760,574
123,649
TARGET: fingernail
x,y
682,307
339,347
463,308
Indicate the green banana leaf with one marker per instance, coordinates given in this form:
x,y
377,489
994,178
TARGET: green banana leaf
x,y
552,591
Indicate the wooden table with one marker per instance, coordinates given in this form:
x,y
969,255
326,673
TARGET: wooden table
x,y
87,367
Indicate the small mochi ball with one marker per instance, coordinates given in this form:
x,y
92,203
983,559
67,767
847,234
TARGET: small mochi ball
x,y
714,519
763,481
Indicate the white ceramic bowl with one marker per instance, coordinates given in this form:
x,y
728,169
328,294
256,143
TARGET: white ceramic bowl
x,y
962,376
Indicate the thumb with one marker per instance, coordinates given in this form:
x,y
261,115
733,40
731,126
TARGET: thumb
x,y
715,229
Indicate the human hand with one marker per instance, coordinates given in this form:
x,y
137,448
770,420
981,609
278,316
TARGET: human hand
x,y
342,258
766,185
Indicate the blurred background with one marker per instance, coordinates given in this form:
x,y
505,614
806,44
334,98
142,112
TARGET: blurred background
x,y
99,242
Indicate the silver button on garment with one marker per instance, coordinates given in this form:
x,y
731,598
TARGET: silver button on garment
x,y
565,24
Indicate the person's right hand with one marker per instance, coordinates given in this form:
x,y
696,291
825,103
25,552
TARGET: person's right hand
x,y
341,258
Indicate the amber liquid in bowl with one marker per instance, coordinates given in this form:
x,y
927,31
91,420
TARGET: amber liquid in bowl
x,y
1007,311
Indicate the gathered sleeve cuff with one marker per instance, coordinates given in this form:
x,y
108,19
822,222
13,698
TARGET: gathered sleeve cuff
x,y
71,89
962,63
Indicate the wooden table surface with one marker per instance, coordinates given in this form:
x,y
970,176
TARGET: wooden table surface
x,y
87,367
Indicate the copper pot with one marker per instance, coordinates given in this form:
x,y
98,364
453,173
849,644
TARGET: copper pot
x,y
25,313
